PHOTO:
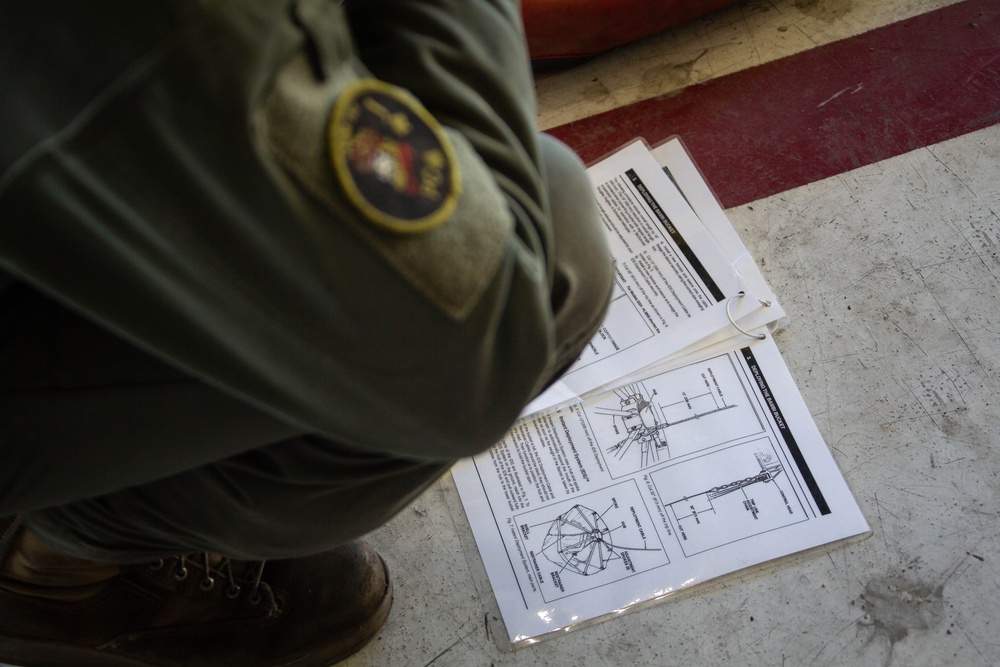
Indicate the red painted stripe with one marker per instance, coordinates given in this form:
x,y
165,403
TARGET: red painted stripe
x,y
819,113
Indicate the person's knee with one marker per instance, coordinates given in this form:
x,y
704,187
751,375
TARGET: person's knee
x,y
584,271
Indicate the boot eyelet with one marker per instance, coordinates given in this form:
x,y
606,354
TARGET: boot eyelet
x,y
157,566
255,597
181,573
233,592
207,584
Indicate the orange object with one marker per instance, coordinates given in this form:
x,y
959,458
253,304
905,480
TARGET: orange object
x,y
566,30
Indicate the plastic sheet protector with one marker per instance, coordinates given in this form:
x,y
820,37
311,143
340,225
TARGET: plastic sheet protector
x,y
674,281
673,468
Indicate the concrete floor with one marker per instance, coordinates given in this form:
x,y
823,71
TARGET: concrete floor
x,y
891,276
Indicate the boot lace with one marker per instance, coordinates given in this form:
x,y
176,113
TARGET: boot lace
x,y
253,577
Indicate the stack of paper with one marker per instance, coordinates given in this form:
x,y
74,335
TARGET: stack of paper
x,y
677,449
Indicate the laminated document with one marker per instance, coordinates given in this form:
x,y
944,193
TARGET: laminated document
x,y
675,284
676,453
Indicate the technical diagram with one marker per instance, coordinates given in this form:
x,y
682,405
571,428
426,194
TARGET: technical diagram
x,y
674,414
754,496
645,421
573,547
579,540
769,470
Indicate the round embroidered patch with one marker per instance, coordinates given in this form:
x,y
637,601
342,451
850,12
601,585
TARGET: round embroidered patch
x,y
392,158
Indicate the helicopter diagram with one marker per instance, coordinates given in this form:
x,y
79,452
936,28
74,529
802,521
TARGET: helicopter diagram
x,y
644,420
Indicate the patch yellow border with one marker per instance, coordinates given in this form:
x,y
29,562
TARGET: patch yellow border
x,y
338,137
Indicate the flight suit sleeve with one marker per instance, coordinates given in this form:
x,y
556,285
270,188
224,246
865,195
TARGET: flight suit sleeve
x,y
467,61
358,248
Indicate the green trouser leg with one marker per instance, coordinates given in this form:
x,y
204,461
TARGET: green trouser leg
x,y
82,412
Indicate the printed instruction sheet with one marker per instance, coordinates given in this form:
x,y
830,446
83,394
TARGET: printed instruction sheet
x,y
650,489
674,282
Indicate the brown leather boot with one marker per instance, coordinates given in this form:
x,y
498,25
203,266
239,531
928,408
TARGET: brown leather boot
x,y
203,611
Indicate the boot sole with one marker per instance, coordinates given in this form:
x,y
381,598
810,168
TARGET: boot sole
x,y
27,653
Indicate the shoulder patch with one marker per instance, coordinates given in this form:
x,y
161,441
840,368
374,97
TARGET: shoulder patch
x,y
395,163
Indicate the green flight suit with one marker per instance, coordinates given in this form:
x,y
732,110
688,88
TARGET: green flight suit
x,y
268,268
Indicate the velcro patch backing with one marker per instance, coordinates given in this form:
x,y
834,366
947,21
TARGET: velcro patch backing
x,y
448,249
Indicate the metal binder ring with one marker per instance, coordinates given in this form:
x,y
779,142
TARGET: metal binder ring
x,y
729,314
